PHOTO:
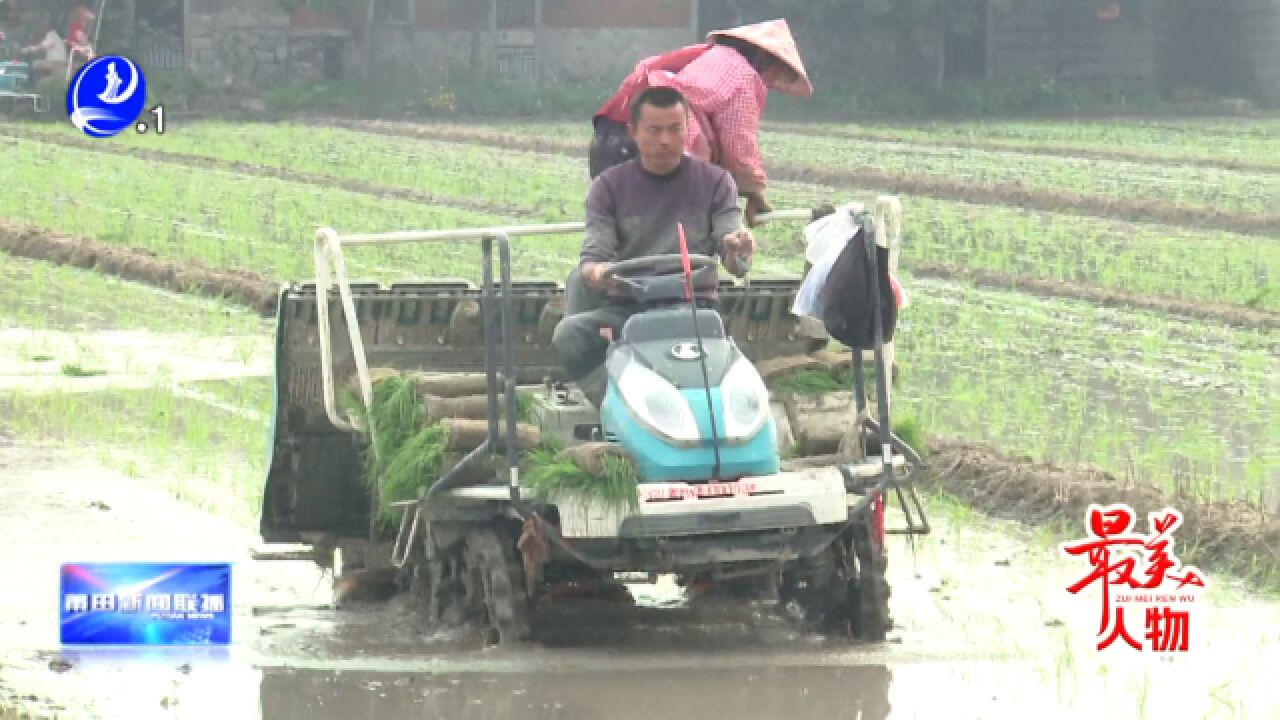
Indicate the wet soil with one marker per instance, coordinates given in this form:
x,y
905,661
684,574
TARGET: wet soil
x,y
984,627
1215,534
1066,151
243,286
57,506
259,292
944,188
126,359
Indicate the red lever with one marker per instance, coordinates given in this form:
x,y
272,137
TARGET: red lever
x,y
684,260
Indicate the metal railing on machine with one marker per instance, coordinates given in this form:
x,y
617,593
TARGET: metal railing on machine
x,y
330,264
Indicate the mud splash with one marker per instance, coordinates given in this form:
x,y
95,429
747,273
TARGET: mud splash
x,y
944,188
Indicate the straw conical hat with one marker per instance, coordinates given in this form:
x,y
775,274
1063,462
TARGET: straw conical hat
x,y
774,37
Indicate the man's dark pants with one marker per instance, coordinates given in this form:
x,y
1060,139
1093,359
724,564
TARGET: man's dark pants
x,y
577,337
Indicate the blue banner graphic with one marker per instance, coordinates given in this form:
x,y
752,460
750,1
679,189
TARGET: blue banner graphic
x,y
145,604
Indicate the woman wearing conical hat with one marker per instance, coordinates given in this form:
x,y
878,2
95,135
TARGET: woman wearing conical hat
x,y
725,81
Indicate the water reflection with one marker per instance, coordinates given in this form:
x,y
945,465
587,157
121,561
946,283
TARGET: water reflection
x,y
858,693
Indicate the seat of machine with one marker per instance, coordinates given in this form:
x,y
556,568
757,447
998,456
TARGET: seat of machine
x,y
672,323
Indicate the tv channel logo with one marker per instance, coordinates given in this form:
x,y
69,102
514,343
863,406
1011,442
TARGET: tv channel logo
x,y
145,604
106,96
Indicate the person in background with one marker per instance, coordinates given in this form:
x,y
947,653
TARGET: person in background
x,y
725,81
54,50
78,32
6,50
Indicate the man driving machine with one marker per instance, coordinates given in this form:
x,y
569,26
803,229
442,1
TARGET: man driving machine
x,y
632,212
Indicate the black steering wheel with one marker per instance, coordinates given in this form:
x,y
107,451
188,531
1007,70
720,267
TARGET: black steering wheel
x,y
670,264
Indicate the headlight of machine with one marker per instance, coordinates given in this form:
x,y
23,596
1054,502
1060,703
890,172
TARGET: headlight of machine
x,y
746,401
657,403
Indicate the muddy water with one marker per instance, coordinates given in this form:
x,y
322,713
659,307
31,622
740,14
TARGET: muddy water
x,y
985,629
33,360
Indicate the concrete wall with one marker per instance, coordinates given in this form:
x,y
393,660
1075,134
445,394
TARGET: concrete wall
x,y
1030,40
435,48
563,54
237,43
576,40
569,54
617,13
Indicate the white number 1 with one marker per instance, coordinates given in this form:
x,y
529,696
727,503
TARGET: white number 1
x,y
158,111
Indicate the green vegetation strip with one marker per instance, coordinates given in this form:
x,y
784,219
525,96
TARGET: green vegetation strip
x,y
40,295
229,220
210,458
142,266
1060,255
1051,142
1175,186
237,154
1177,262
1020,370
1242,208
1234,144
1185,405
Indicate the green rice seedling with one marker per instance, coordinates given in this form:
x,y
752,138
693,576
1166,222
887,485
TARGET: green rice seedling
x,y
1166,142
909,429
412,469
549,478
1134,257
808,382
72,369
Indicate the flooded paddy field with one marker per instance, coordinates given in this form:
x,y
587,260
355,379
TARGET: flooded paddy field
x,y
984,627
134,425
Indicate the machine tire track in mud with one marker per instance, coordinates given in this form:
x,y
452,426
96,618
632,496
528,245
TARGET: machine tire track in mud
x,y
439,585
869,592
843,590
473,575
496,586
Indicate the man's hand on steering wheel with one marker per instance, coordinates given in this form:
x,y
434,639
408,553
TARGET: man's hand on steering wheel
x,y
596,275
